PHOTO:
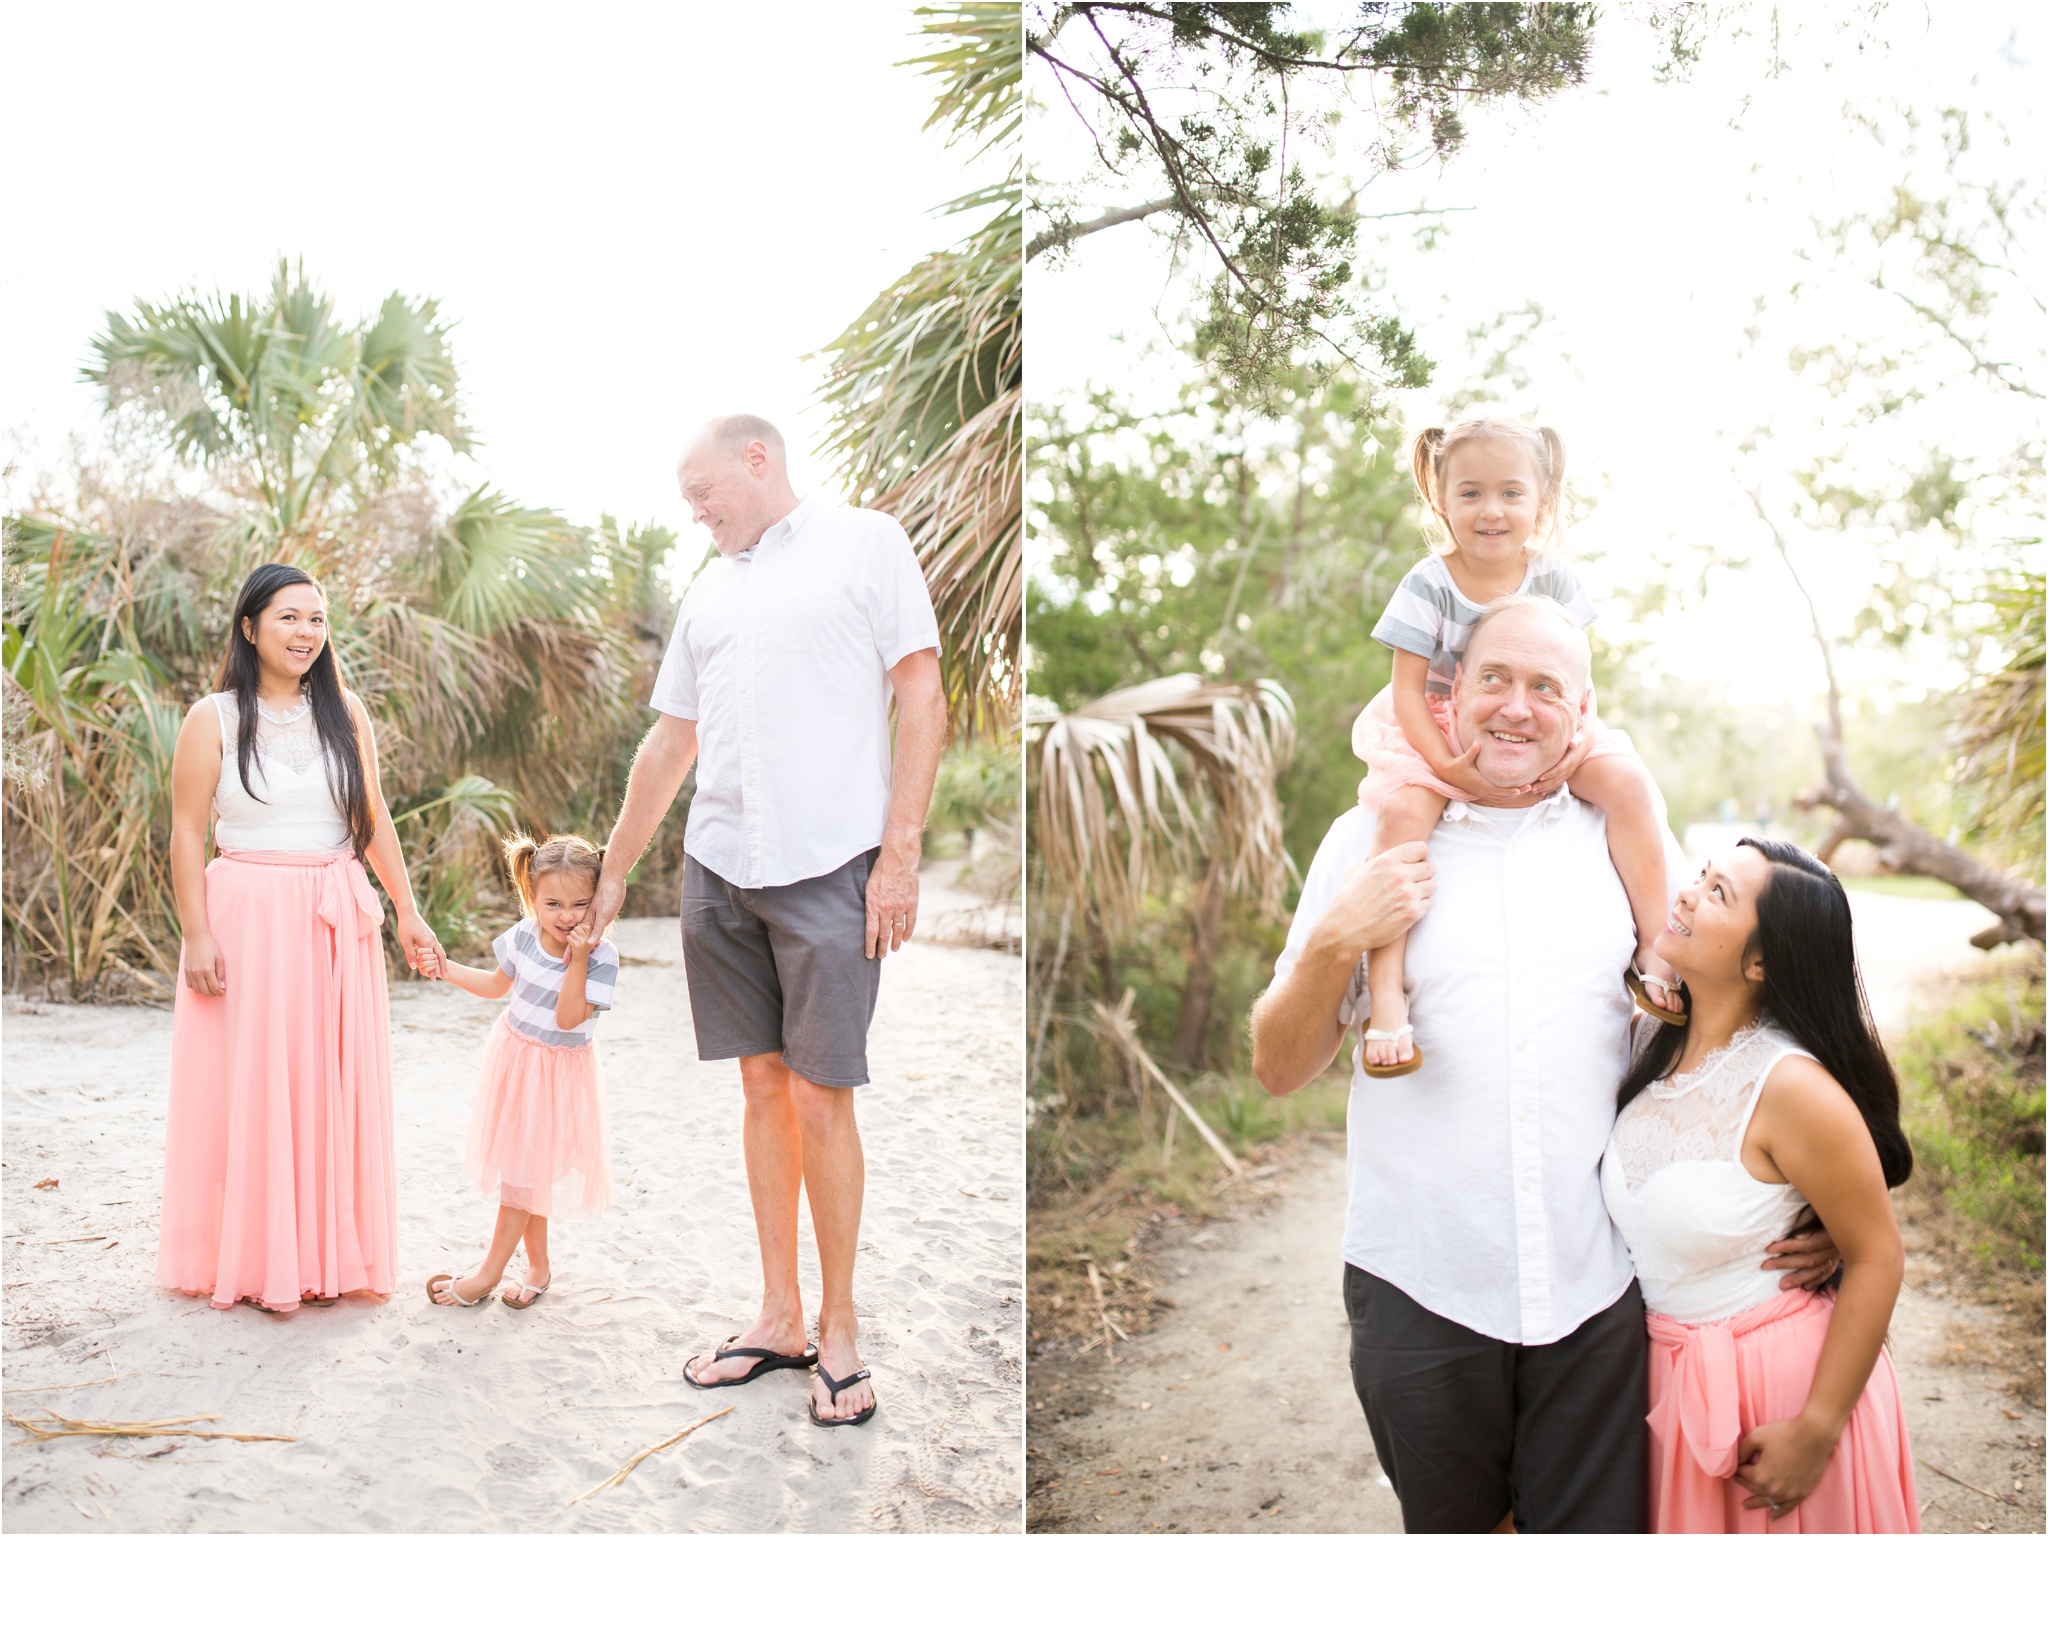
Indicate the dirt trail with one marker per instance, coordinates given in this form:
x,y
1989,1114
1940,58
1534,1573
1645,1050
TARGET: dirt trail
x,y
1236,1414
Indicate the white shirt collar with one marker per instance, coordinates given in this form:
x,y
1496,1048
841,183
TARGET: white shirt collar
x,y
1546,811
783,529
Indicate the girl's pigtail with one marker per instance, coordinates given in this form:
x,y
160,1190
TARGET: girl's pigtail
x,y
519,851
1553,499
1424,460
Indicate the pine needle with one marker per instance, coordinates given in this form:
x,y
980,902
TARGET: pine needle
x,y
626,1470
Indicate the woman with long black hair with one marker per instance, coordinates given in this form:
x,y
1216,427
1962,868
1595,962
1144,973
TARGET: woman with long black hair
x,y
278,1169
1771,1411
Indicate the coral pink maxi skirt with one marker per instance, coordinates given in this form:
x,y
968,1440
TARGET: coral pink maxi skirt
x,y
1711,1384
279,1173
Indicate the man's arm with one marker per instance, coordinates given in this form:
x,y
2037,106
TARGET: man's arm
x,y
1295,1032
659,768
920,738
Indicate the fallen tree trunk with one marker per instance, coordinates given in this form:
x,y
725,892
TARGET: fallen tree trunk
x,y
1904,847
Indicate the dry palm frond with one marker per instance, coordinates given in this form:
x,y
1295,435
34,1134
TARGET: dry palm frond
x,y
54,1425
965,507
926,385
1115,818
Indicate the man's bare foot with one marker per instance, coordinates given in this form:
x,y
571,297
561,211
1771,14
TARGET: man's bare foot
x,y
839,1358
783,1337
470,1290
1389,1015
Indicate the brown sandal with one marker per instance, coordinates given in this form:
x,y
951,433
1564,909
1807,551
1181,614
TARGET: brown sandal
x,y
1638,985
1392,1070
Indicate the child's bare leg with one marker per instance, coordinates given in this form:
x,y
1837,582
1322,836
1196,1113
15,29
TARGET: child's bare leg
x,y
535,1239
1409,814
504,1240
1620,787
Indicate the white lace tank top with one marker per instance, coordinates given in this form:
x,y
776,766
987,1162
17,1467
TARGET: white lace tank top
x,y
1695,1221
298,812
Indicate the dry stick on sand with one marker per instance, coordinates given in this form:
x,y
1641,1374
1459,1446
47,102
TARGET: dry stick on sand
x,y
58,1425
626,1470
2003,1499
76,1385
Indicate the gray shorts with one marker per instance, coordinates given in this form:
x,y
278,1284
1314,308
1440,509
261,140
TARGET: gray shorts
x,y
781,968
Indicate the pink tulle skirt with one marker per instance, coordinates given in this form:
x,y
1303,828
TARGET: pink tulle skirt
x,y
1392,762
1711,1384
538,1137
279,1174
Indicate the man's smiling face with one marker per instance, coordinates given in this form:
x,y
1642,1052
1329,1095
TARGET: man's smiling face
x,y
727,492
1520,694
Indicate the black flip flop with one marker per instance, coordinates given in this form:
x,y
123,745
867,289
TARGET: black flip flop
x,y
835,1387
769,1360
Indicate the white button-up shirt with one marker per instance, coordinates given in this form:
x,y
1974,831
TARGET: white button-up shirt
x,y
781,656
1475,1181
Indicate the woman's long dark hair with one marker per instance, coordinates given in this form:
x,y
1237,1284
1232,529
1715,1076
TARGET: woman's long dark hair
x,y
1813,991
241,673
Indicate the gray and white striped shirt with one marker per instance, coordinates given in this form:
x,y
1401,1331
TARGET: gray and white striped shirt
x,y
537,985
1429,616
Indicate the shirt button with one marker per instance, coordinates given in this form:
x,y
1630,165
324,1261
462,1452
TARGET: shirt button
x,y
1525,1187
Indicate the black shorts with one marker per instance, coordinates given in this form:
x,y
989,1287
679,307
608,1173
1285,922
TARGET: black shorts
x,y
1469,1429
783,968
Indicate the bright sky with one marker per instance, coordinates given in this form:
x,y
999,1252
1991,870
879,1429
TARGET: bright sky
x,y
637,215
1645,220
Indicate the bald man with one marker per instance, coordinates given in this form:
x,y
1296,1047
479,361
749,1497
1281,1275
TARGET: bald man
x,y
800,856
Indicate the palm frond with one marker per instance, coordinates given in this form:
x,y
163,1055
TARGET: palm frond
x,y
926,385
1137,787
980,70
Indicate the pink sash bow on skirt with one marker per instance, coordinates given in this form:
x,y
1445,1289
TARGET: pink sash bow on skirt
x,y
279,1165
1711,1384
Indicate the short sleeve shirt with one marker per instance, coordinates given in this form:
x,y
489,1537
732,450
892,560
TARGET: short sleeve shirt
x,y
781,656
537,985
1430,617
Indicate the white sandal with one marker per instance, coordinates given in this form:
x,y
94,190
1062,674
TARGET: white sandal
x,y
447,1281
532,1292
1392,1036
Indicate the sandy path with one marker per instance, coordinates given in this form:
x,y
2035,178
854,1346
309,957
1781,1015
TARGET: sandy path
x,y
411,1417
1236,1413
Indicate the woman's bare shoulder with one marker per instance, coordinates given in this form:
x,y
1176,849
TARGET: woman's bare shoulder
x,y
1799,1092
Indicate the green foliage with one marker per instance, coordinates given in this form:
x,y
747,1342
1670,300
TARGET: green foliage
x,y
275,388
926,386
2003,762
1237,545
979,787
502,652
1207,110
1972,1082
1229,542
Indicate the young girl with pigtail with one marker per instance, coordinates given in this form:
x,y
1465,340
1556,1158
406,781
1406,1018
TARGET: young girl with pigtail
x,y
1492,493
539,1144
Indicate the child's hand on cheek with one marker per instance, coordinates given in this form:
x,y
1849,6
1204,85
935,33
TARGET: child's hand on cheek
x,y
578,939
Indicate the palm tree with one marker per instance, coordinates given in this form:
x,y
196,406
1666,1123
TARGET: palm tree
x,y
501,650
926,386
277,389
